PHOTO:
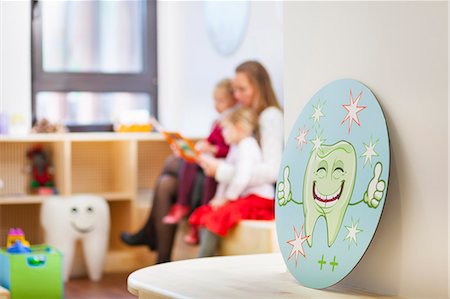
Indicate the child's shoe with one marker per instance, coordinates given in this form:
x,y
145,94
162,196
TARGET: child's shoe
x,y
176,213
192,238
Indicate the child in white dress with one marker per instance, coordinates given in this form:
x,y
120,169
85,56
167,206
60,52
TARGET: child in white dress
x,y
236,199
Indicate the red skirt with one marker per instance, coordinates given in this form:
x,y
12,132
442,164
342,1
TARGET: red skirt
x,y
220,221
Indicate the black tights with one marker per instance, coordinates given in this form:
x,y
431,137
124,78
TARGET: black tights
x,y
161,236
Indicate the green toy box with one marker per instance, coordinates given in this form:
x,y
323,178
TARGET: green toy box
x,y
37,274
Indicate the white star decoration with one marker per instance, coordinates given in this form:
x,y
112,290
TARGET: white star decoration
x,y
352,111
297,245
317,113
370,152
352,231
318,141
301,138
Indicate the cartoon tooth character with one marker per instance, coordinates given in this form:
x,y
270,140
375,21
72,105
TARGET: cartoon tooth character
x,y
328,186
79,217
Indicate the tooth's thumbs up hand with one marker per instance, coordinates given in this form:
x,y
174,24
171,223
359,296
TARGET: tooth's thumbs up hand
x,y
376,188
284,193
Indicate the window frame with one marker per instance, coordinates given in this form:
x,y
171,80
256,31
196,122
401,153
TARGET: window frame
x,y
143,82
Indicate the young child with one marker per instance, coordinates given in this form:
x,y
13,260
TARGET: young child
x,y
235,200
214,145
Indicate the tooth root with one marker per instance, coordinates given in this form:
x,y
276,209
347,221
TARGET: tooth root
x,y
334,221
311,217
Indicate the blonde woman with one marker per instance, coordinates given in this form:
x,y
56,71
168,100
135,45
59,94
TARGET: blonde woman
x,y
252,90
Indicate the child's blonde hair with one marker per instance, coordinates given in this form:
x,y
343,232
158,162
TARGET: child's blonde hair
x,y
225,85
244,117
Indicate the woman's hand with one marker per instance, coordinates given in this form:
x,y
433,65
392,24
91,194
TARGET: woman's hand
x,y
175,151
209,164
201,145
204,146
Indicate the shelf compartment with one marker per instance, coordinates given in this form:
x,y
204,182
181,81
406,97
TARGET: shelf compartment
x,y
14,166
19,216
120,212
150,162
103,167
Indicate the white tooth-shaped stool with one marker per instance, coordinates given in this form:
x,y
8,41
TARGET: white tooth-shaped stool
x,y
85,217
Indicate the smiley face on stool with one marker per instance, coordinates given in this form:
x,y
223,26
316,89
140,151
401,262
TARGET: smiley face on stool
x,y
82,217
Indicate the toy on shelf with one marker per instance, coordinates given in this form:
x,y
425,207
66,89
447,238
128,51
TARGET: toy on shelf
x,y
16,243
18,247
133,121
45,126
41,171
133,128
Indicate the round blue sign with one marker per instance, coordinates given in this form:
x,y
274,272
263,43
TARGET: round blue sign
x,y
332,183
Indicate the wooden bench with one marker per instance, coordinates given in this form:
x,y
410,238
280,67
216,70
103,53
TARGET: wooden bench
x,y
250,237
4,293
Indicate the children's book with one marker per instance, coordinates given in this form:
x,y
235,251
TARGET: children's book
x,y
184,146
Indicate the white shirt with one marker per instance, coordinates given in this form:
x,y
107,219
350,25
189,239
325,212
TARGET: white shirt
x,y
245,157
272,142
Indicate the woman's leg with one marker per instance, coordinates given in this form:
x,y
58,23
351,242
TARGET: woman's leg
x,y
153,233
163,234
209,242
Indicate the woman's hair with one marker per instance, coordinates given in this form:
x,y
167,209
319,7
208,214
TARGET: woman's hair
x,y
260,80
225,85
245,117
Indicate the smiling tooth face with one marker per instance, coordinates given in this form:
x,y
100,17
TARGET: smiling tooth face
x,y
328,186
82,217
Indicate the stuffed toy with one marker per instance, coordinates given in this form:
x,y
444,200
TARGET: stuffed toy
x,y
41,171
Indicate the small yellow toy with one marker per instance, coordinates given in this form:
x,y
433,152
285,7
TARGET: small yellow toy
x,y
16,234
123,128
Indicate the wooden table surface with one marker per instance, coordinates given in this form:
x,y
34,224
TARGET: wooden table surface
x,y
243,276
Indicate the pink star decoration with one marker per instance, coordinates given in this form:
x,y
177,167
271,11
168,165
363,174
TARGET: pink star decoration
x,y
297,244
352,111
301,138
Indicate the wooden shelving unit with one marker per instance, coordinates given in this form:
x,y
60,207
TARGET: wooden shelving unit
x,y
115,166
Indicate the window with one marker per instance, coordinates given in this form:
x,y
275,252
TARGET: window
x,y
93,60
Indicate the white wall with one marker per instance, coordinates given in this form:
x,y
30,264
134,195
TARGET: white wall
x,y
399,50
448,143
189,67
15,59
